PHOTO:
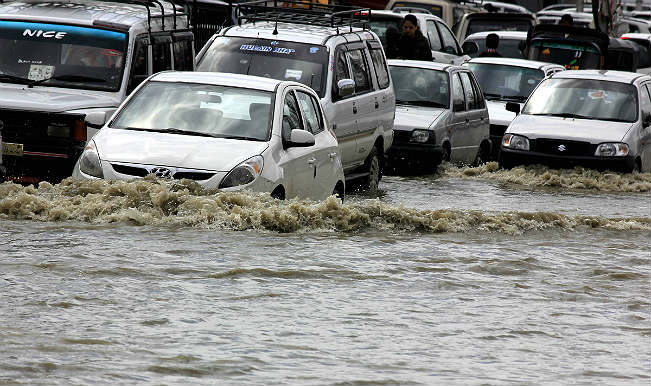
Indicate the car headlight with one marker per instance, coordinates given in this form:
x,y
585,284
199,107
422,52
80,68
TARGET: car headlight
x,y
612,150
90,163
244,173
422,136
514,141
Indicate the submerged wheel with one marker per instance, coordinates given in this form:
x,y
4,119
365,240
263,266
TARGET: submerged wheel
x,y
483,154
372,181
445,156
339,191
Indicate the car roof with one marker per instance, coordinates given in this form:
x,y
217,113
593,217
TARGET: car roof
x,y
422,64
218,78
85,12
520,35
613,76
301,33
514,62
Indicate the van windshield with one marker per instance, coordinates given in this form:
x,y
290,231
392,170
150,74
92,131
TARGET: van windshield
x,y
282,60
61,55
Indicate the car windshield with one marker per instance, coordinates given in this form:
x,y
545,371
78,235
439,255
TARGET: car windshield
x,y
584,98
61,55
508,48
419,86
283,60
479,25
198,109
503,82
572,56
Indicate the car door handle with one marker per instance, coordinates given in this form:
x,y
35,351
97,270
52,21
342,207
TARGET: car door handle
x,y
467,120
311,161
332,155
377,104
354,109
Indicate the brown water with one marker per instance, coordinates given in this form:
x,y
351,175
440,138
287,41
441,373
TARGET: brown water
x,y
474,276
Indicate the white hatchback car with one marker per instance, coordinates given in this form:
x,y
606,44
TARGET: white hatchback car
x,y
225,131
595,118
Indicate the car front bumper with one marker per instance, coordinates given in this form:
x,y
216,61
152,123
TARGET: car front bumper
x,y
415,154
510,157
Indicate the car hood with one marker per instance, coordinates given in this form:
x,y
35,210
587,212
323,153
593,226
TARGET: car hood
x,y
498,114
409,118
174,150
588,130
52,99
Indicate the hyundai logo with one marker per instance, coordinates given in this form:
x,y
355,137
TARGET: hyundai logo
x,y
561,148
162,173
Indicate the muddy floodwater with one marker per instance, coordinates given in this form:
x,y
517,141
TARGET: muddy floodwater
x,y
472,276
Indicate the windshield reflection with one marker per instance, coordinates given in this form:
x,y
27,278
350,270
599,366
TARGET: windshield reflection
x,y
420,86
504,82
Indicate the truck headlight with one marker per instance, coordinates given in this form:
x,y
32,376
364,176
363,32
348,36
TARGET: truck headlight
x,y
616,149
244,173
89,163
422,136
515,141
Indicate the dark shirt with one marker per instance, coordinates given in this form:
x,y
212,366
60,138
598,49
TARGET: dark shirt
x,y
416,48
490,54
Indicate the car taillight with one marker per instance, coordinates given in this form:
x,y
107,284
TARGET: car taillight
x,y
79,130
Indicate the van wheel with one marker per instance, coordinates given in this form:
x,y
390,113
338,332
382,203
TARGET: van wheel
x,y
373,168
483,154
339,191
445,156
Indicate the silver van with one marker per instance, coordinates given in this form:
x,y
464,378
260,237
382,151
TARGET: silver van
x,y
345,65
65,68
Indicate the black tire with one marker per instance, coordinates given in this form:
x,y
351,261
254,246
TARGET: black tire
x,y
339,191
483,154
504,162
373,166
445,155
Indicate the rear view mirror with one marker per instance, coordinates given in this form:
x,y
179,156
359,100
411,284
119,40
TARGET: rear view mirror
x,y
470,48
301,138
96,119
345,87
513,107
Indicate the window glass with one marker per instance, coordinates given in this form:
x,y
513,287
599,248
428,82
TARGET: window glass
x,y
310,112
645,103
508,48
449,43
388,31
433,36
360,70
420,87
469,92
183,57
139,71
341,69
458,101
506,82
479,95
162,57
380,68
291,116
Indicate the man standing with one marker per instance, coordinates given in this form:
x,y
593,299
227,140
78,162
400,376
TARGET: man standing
x,y
412,45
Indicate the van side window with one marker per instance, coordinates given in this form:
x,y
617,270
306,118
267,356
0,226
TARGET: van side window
x,y
458,102
468,91
341,71
310,112
645,101
162,53
449,43
380,65
433,36
139,70
360,70
183,55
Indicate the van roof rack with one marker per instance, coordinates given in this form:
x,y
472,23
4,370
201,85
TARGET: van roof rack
x,y
158,4
302,12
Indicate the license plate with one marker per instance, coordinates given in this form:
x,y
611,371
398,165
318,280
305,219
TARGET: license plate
x,y
15,149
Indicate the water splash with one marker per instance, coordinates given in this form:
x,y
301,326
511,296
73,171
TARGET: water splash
x,y
537,175
184,203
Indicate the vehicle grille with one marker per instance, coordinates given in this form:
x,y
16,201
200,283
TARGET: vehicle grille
x,y
130,170
571,148
31,128
197,176
139,171
401,136
497,130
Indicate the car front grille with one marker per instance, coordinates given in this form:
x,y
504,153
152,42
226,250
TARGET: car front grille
x,y
401,136
142,171
563,147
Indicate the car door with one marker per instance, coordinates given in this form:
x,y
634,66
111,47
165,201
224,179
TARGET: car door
x,y
450,51
298,163
459,122
325,145
645,131
344,112
474,133
363,99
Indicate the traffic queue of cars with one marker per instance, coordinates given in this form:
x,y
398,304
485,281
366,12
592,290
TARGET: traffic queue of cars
x,y
289,102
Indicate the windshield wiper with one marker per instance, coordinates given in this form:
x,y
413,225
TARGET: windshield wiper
x,y
567,115
421,103
517,98
14,78
68,78
170,130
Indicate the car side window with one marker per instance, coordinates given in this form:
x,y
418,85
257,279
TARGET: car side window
x,y
458,101
291,116
433,36
340,71
380,65
183,54
360,70
479,96
645,101
162,54
449,43
310,112
139,66
469,92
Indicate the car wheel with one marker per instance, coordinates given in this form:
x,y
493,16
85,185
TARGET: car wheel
x,y
504,162
339,191
445,156
373,168
483,154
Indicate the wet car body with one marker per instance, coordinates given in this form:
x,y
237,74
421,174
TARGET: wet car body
x,y
598,119
526,74
430,128
228,131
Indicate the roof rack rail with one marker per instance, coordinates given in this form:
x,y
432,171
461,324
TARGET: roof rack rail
x,y
302,12
158,4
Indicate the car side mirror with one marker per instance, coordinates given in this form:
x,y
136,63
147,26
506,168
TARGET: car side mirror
x,y
301,138
513,107
345,87
470,48
96,119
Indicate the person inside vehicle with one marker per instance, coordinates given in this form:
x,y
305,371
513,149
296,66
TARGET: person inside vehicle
x,y
412,45
566,20
492,41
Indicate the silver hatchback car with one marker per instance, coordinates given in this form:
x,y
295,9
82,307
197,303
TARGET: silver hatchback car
x,y
599,119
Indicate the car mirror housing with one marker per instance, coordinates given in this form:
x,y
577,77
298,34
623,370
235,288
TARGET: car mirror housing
x,y
345,87
513,107
96,119
301,138
470,48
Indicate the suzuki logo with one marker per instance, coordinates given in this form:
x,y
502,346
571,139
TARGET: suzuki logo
x,y
561,148
162,173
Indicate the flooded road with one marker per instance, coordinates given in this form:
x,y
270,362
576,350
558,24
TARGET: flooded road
x,y
474,276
